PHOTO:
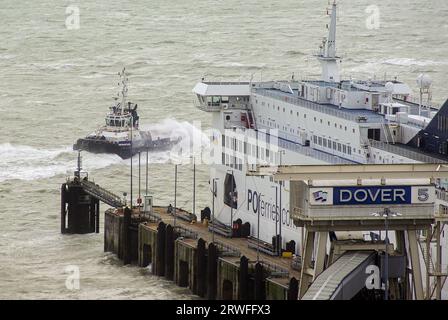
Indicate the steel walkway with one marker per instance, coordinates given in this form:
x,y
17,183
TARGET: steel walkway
x,y
101,194
343,279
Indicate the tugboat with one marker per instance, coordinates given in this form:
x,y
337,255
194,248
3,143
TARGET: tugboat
x,y
121,134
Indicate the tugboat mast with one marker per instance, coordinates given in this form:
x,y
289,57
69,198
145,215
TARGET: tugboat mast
x,y
124,90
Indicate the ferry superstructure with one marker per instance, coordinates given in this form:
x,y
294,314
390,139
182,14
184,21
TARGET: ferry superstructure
x,y
330,120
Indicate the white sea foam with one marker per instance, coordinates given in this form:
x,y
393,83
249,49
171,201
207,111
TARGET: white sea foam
x,y
29,163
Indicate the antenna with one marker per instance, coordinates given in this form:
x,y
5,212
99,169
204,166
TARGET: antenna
x,y
79,165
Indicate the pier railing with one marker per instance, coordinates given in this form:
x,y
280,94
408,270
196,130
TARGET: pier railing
x,y
227,250
274,270
185,233
101,194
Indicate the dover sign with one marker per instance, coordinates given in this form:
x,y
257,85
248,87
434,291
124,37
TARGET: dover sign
x,y
372,195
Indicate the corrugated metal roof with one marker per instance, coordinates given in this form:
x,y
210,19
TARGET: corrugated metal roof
x,y
331,280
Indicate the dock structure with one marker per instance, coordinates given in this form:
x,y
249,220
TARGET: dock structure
x,y
183,251
80,203
223,265
328,200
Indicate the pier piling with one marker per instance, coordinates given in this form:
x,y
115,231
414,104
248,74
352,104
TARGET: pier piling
x,y
201,268
159,269
212,271
169,252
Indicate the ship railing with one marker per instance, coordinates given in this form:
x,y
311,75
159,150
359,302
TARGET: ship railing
x,y
311,105
442,213
298,214
442,195
404,152
416,102
206,106
310,152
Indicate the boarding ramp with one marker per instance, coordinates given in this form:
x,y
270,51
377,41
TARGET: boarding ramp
x,y
101,194
343,279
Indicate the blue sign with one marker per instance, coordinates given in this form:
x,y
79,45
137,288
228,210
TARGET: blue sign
x,y
372,195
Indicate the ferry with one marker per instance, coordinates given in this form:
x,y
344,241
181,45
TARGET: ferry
x,y
331,120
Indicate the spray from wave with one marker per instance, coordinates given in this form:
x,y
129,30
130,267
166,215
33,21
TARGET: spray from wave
x,y
29,163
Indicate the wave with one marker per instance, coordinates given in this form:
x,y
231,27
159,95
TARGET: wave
x,y
406,62
20,162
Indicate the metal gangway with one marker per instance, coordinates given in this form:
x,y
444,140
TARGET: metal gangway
x,y
101,194
343,279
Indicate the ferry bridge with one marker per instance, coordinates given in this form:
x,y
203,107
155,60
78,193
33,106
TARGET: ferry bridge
x,y
328,201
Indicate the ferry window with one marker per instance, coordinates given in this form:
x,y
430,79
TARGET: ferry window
x,y
345,128
359,151
297,114
328,123
320,141
304,115
339,147
245,147
314,119
283,109
315,139
223,138
320,120
223,158
344,149
340,126
278,108
334,145
353,130
335,125
325,142
290,112
267,153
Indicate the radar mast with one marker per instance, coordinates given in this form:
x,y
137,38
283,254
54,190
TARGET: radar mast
x,y
327,53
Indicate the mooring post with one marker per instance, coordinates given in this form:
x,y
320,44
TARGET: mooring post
x,y
160,256
212,271
243,279
259,282
63,207
92,214
169,252
97,216
293,290
127,235
201,263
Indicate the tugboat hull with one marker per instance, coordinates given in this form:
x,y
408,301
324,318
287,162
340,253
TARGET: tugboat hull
x,y
123,150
